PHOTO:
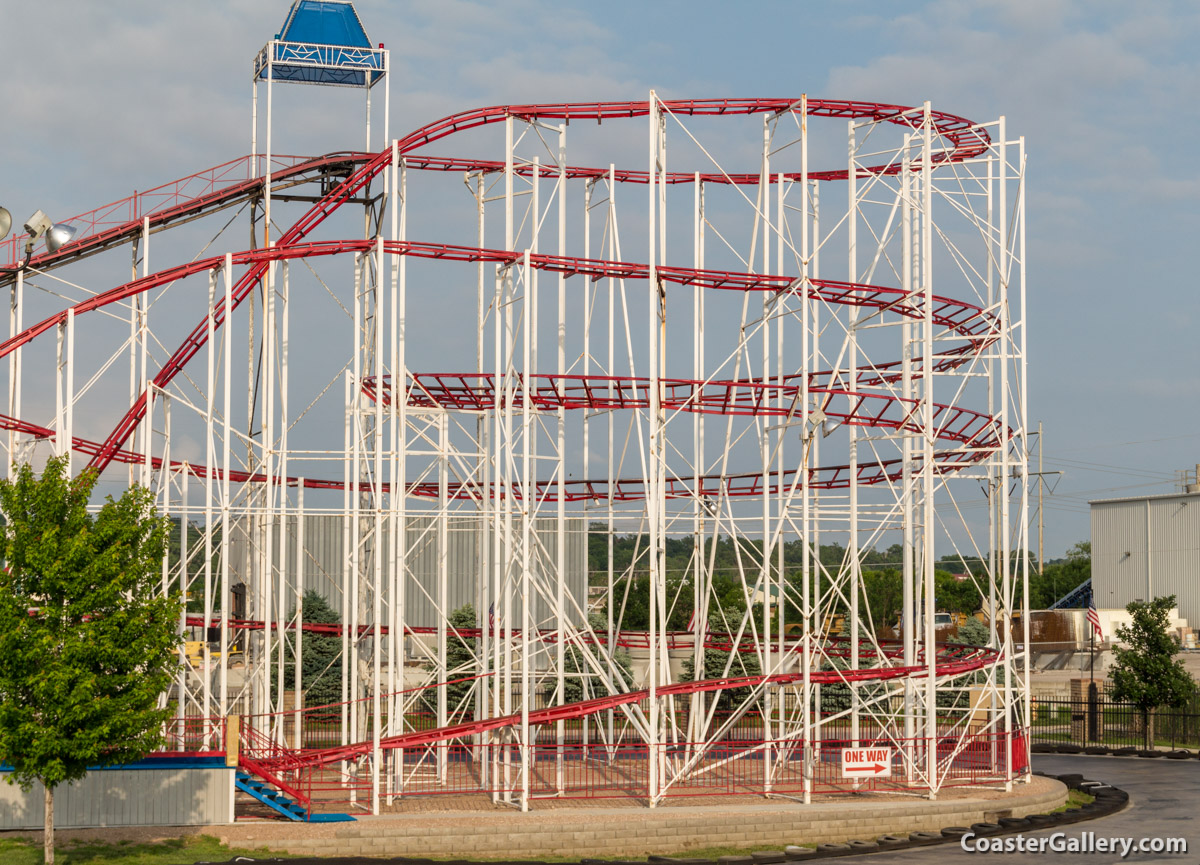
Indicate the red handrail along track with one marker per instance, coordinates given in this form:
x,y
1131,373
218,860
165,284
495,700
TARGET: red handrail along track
x,y
966,140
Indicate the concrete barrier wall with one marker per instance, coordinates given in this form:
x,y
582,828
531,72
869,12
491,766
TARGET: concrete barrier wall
x,y
166,795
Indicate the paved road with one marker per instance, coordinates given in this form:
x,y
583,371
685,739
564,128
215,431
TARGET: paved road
x,y
1164,801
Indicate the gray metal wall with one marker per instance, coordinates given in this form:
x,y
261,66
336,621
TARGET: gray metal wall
x,y
324,563
1145,548
125,797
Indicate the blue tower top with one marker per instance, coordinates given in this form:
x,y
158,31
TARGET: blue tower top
x,y
324,23
322,42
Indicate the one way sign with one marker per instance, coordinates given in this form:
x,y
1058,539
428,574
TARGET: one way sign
x,y
866,762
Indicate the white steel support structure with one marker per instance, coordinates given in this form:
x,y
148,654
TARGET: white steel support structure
x,y
615,512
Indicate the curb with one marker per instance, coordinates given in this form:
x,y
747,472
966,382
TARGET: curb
x,y
1108,800
1109,751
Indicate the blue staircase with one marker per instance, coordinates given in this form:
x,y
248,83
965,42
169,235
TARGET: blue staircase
x,y
275,800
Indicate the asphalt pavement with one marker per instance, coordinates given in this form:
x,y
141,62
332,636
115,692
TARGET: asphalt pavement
x,y
1164,802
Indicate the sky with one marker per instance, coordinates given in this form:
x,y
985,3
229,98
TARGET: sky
x,y
100,99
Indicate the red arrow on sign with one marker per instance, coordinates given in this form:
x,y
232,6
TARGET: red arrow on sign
x,y
866,762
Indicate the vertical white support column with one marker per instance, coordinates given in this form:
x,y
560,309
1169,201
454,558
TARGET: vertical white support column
x,y
764,577
210,475
181,683
377,514
442,592
1023,381
590,294
610,625
348,544
68,428
61,444
807,436
283,350
782,501
696,709
357,430
16,326
908,605
1007,472
560,550
504,400
226,514
298,679
266,573
267,242
852,431
399,450
254,127
653,502
529,302
147,427
485,705
929,434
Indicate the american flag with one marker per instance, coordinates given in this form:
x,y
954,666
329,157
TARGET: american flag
x,y
492,619
1094,620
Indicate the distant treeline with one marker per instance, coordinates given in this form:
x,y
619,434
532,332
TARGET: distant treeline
x,y
735,567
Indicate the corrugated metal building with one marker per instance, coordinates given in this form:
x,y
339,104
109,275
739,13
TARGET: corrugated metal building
x,y
1147,547
152,792
324,562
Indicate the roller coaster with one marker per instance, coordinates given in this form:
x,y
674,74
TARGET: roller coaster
x,y
758,362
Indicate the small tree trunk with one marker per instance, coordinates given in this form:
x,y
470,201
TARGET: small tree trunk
x,y
48,829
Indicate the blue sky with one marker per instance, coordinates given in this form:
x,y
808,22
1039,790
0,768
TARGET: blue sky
x,y
99,99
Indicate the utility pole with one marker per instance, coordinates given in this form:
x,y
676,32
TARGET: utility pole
x,y
1041,485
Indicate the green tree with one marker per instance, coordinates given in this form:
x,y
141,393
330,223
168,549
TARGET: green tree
x,y
712,666
973,633
321,667
88,640
1145,671
580,681
462,662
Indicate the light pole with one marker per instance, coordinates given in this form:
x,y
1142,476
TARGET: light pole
x,y
57,234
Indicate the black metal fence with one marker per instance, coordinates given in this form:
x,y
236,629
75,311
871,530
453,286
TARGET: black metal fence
x,y
1098,720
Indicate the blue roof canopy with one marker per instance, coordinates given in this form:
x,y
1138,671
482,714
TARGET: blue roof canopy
x,y
324,23
322,42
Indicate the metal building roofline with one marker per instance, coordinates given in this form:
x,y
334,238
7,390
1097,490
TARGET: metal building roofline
x,y
1144,498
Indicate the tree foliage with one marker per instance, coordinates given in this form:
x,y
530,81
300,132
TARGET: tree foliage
x,y
712,666
1145,671
321,665
580,682
88,639
462,662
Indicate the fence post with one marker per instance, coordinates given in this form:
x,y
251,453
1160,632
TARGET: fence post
x,y
233,737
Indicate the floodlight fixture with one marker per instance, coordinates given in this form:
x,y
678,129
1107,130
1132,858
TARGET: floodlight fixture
x,y
59,235
37,225
5,223
818,420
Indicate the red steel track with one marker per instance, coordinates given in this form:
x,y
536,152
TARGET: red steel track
x,y
970,435
961,660
952,660
966,140
478,392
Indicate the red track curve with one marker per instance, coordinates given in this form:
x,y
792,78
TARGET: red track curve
x,y
966,138
569,711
